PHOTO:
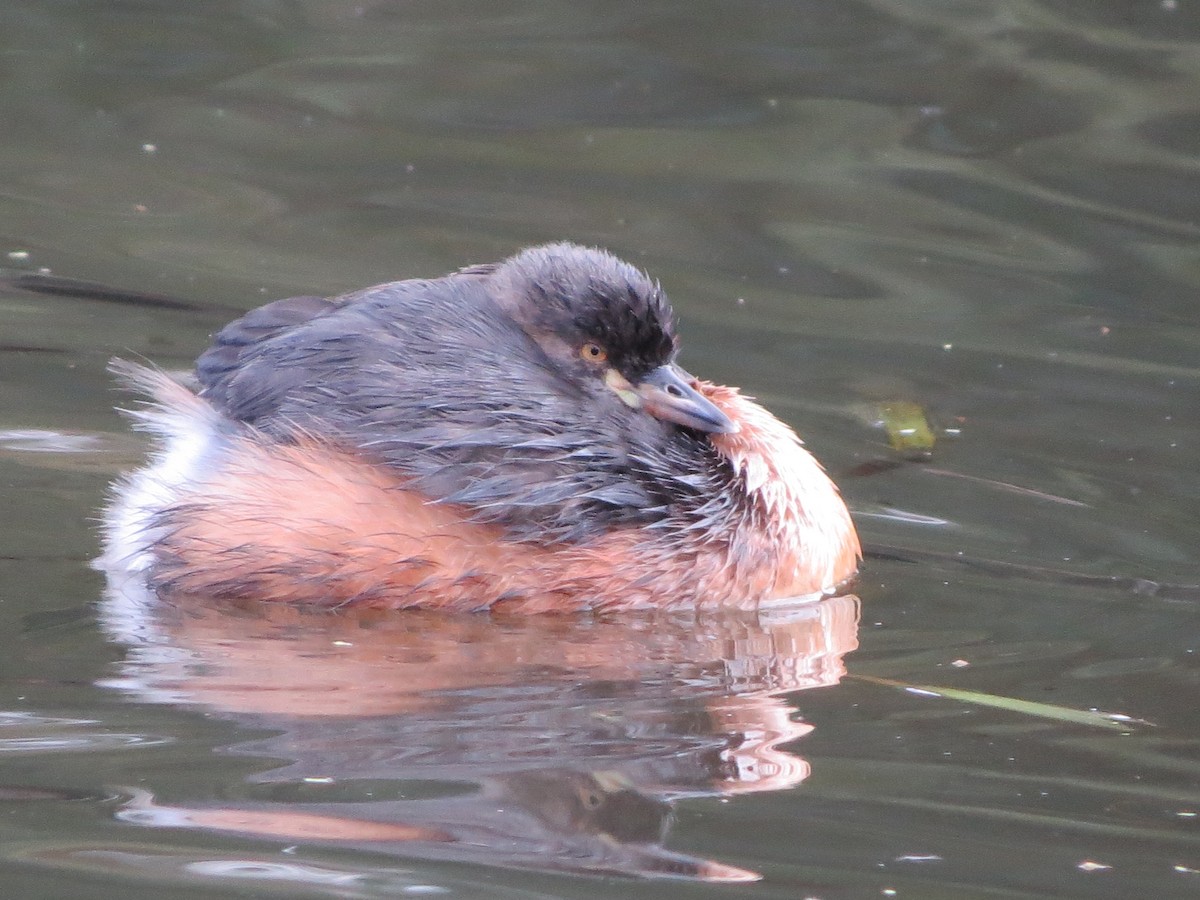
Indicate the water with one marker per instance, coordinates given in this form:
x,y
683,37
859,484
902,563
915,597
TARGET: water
x,y
989,210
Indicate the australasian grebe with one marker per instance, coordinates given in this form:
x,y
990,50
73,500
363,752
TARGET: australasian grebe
x,y
512,436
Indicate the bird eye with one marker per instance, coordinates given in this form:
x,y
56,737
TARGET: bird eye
x,y
593,352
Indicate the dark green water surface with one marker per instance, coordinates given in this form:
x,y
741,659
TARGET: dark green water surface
x,y
987,209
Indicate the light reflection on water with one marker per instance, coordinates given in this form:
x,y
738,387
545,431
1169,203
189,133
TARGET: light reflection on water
x,y
564,741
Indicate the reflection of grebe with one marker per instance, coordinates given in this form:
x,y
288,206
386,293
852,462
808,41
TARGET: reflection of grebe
x,y
548,742
514,434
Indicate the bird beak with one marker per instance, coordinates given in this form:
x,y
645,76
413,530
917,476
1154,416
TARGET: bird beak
x,y
667,394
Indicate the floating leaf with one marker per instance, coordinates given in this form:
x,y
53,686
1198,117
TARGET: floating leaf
x,y
907,428
1090,717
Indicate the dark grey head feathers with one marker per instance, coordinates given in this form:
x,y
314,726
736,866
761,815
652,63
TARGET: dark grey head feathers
x,y
579,294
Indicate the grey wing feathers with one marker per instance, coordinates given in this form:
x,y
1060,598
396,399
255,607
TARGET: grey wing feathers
x,y
238,342
381,372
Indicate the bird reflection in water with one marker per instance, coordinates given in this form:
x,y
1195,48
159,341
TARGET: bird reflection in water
x,y
548,742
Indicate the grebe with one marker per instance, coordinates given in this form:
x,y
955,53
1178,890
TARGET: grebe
x,y
512,436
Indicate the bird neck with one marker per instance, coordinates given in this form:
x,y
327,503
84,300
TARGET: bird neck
x,y
796,512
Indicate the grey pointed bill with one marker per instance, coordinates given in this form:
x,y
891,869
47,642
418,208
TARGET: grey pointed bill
x,y
667,393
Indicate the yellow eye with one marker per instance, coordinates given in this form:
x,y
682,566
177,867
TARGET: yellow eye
x,y
593,352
